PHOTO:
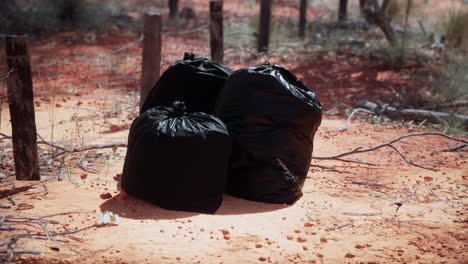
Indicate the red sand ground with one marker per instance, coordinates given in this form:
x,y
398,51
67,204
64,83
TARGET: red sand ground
x,y
337,221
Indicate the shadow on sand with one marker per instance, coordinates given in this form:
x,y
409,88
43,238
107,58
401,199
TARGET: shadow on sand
x,y
130,207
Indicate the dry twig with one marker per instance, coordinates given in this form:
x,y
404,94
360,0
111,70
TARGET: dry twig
x,y
348,121
454,148
61,233
390,145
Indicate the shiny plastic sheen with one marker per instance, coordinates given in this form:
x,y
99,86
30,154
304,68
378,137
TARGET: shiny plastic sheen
x,y
272,117
196,81
177,160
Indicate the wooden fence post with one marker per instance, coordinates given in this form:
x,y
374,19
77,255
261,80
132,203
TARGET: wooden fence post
x,y
151,60
21,103
302,18
264,25
216,30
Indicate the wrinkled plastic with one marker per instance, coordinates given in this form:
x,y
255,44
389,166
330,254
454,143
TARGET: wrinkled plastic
x,y
272,118
177,160
195,81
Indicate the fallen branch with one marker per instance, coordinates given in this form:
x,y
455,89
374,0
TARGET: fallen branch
x,y
454,148
74,150
368,183
362,214
398,223
69,212
60,234
411,114
21,252
338,226
348,121
390,145
91,147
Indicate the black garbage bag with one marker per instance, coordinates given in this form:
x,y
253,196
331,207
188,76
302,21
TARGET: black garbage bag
x,y
272,118
195,81
177,160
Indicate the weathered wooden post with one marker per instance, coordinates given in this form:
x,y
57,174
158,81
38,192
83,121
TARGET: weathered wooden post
x,y
264,25
302,18
216,30
21,103
151,60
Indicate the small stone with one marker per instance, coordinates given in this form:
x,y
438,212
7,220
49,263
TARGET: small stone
x,y
301,239
105,196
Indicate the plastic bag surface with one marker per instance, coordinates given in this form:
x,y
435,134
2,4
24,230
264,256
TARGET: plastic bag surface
x,y
272,118
195,81
177,160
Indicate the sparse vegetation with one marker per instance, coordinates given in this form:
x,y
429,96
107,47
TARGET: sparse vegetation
x,y
455,28
51,15
397,8
86,75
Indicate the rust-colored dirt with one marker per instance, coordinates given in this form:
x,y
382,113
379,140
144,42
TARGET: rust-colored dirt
x,y
86,93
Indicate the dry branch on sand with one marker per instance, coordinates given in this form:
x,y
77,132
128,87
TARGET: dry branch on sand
x,y
65,150
348,121
42,222
389,144
411,114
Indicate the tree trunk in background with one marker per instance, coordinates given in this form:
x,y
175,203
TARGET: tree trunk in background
x,y
343,11
302,18
362,3
173,8
362,7
376,15
216,30
264,25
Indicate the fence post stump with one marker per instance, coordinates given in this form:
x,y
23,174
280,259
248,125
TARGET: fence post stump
x,y
151,58
216,30
302,18
264,25
21,103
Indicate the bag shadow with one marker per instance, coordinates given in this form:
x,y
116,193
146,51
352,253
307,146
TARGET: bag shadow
x,y
134,208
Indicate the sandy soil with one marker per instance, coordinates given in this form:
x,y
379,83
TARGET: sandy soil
x,y
86,93
337,221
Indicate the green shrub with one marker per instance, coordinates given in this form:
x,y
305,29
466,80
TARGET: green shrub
x,y
454,84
